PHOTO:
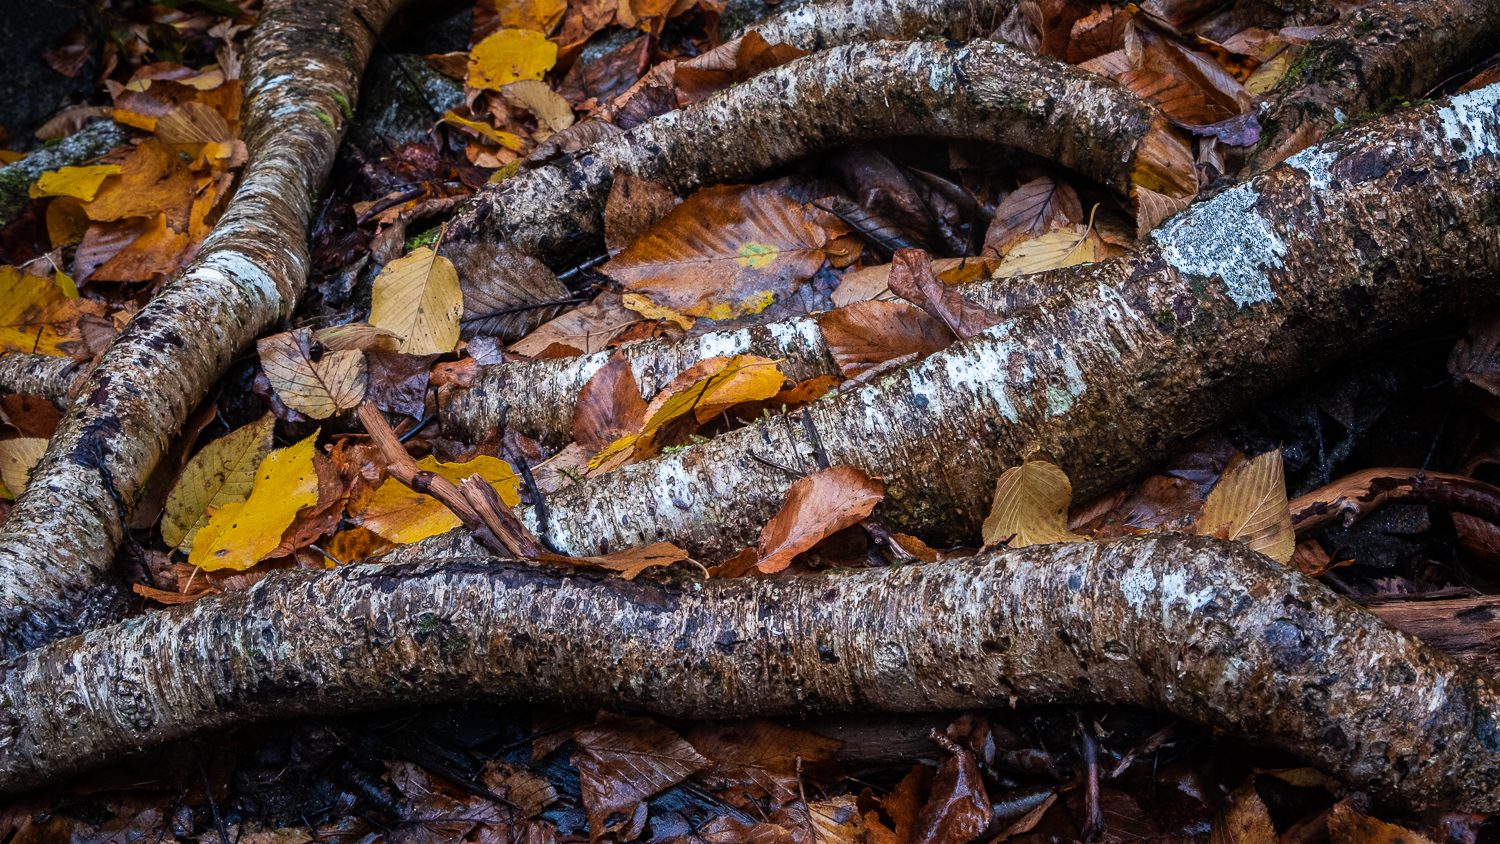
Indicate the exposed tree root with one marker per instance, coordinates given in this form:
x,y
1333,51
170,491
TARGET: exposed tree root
x,y
16,178
58,543
981,90
1203,629
48,376
832,23
1381,230
1387,55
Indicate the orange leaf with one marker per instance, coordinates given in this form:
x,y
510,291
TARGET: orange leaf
x,y
865,334
816,507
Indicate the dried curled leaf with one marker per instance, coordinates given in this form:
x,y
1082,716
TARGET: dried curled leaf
x,y
1031,507
1249,504
239,535
315,387
816,507
418,297
222,473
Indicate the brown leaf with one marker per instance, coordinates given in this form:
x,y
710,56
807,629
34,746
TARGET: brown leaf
x,y
1153,209
607,76
1031,506
530,793
758,757
906,800
609,406
865,334
588,329
506,292
1030,211
959,808
154,179
730,63
398,382
911,278
621,762
816,507
319,387
634,206
1249,504
872,282
630,562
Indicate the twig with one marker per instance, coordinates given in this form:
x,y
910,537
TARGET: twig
x,y
817,442
1355,496
213,805
812,828
1088,748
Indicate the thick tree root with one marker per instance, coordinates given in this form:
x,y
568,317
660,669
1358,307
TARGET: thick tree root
x,y
1200,628
16,178
304,60
1388,54
980,90
48,376
833,23
1381,230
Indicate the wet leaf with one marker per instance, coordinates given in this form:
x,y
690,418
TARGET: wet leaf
x,y
317,387
634,206
958,809
1053,250
816,507
609,406
1249,504
36,315
758,756
418,298
623,761
1030,211
238,535
538,15
222,473
17,458
865,334
912,279
1031,505
81,183
725,251
1347,826
509,55
530,793
1246,820
628,563
404,515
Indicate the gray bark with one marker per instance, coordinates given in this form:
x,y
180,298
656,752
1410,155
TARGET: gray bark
x,y
16,178
48,376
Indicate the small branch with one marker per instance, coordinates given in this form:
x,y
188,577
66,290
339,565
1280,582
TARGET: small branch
x,y
1356,496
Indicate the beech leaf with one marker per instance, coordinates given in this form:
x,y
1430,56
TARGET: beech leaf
x,y
758,753
1249,504
1054,250
418,298
238,535
1152,209
222,473
865,334
1031,505
508,55
78,182
623,761
816,507
17,458
319,388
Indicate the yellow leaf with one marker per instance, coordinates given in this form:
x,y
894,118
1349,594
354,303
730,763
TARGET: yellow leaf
x,y
17,458
418,298
403,515
222,473
358,335
240,534
317,388
650,310
505,139
1249,504
548,106
1031,504
509,55
1053,250
540,15
36,314
78,182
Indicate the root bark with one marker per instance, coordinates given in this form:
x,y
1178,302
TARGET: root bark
x,y
48,376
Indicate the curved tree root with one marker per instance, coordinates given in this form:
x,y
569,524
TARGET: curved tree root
x,y
832,23
1377,232
1200,628
59,541
980,90
48,376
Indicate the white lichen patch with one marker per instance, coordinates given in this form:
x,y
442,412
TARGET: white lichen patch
x,y
1473,120
978,367
1315,161
725,343
245,273
1226,237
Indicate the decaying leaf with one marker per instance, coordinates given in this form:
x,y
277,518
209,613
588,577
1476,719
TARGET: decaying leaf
x,y
404,515
1053,250
588,329
1030,211
912,279
317,387
629,562
959,807
758,756
865,334
1249,504
508,293
17,458
816,507
623,761
239,535
222,473
609,406
1031,506
1153,209
634,206
418,298
36,315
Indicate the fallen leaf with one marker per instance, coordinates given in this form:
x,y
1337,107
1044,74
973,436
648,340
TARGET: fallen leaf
x,y
538,15
507,293
623,761
239,535
1054,250
1249,504
81,183
609,406
418,298
630,562
153,180
1031,507
634,206
360,336
1030,211
588,329
958,809
1246,820
316,387
404,515
353,544
537,97
35,313
1153,209
862,335
222,473
1347,826
912,279
816,507
758,757
873,282
528,792
508,140
17,458
725,251
907,799
508,55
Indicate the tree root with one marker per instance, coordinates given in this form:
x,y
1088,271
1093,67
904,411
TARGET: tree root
x,y
1200,628
1373,233
832,23
16,178
980,90
59,541
48,376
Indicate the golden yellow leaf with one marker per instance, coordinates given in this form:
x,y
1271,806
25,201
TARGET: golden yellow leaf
x,y
222,473
1031,505
240,534
548,106
508,55
505,139
1249,504
36,314
540,15
1053,250
404,515
17,458
78,182
418,298
318,388
66,221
